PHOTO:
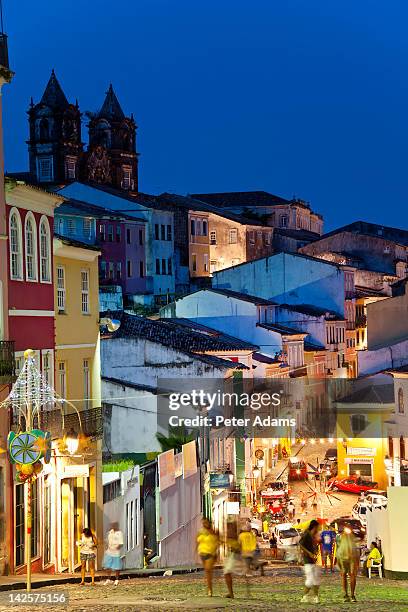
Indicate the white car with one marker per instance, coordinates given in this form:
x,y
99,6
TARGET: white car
x,y
376,500
371,502
287,539
359,512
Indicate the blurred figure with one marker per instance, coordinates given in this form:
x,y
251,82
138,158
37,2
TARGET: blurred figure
x,y
273,543
348,559
112,561
233,559
147,552
88,547
291,510
328,539
207,548
247,542
309,546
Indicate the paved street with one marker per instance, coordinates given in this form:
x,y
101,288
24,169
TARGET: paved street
x,y
280,590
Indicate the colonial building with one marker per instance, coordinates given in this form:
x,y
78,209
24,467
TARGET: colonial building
x,y
76,482
55,147
273,210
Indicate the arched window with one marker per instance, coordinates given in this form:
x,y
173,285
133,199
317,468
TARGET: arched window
x,y
16,253
401,408
44,129
30,247
45,251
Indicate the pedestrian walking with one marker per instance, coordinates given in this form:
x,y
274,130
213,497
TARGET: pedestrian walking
x,y
87,548
348,559
112,559
233,560
303,502
273,544
328,540
207,548
310,547
291,510
247,542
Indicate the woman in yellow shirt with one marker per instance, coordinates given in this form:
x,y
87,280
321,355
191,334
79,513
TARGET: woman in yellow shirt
x,y
373,555
207,548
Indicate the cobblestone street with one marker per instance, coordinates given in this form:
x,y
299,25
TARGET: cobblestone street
x,y
280,590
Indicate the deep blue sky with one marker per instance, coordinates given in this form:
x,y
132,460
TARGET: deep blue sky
x,y
305,97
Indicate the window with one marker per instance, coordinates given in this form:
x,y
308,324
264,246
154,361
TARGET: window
x,y
61,289
131,524
45,251
16,257
87,384
169,266
35,519
87,228
118,233
213,237
401,408
85,291
126,178
47,522
205,227
169,232
60,227
194,257
110,233
163,232
128,236
129,268
70,168
251,236
205,262
259,236
358,423
30,247
111,274
118,270
284,221
141,237
163,268
157,266
48,366
62,379
111,491
45,169
102,233
198,227
102,272
192,227
19,525
141,269
156,231
233,236
267,238
213,265
71,226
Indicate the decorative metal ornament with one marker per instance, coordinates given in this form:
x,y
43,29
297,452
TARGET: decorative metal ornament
x,y
23,448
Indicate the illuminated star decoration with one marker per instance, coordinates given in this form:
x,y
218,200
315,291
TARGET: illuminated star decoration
x,y
315,494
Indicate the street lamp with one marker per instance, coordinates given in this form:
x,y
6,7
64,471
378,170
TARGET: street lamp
x,y
256,471
72,441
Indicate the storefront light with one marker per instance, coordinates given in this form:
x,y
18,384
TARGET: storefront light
x,y
72,442
261,463
256,471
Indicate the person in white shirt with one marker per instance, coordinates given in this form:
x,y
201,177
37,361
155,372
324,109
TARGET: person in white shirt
x,y
112,559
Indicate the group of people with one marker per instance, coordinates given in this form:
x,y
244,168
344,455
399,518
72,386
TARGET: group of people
x,y
88,547
242,552
341,549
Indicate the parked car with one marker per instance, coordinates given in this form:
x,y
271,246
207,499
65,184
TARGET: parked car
x,y
297,469
348,521
359,512
351,484
287,540
371,502
326,468
376,498
331,454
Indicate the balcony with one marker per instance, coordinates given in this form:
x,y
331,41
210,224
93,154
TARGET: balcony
x,y
7,362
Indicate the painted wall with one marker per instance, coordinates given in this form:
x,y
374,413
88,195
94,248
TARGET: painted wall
x,y
287,278
392,356
387,321
130,419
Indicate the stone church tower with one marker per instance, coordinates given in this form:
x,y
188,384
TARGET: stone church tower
x,y
112,158
55,146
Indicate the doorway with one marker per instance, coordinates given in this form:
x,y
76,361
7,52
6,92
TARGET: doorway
x,y
74,517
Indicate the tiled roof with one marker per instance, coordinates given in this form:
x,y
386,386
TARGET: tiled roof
x,y
393,234
373,394
240,198
177,337
79,208
190,203
242,296
132,385
313,311
281,329
234,343
265,358
299,234
310,347
361,292
76,243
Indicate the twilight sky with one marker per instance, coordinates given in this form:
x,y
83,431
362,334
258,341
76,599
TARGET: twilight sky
x,y
304,97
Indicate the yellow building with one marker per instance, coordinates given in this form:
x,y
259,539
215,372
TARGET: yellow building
x,y
364,419
77,378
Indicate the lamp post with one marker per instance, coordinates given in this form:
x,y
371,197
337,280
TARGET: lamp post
x,y
29,395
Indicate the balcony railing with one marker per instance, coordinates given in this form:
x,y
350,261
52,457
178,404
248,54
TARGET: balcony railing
x,y
7,361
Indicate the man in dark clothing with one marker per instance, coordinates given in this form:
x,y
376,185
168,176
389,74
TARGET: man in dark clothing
x,y
309,546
